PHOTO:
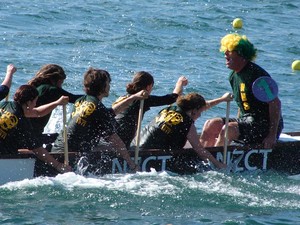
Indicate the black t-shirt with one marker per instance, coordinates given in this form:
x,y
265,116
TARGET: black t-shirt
x,y
254,118
3,91
49,93
90,121
15,129
168,130
241,84
127,121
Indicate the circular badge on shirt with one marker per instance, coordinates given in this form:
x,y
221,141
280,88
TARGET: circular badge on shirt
x,y
265,89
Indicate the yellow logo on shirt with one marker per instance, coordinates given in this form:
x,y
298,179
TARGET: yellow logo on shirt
x,y
246,105
83,110
169,119
7,122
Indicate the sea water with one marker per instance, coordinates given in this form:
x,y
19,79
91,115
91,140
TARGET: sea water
x,y
167,39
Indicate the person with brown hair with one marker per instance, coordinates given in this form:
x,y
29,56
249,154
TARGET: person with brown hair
x,y
48,82
92,122
174,126
16,130
127,121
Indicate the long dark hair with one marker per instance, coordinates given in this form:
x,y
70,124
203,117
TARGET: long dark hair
x,y
25,93
140,81
48,74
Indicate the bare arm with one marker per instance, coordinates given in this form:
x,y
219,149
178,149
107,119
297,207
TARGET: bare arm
x,y
211,103
47,108
117,143
274,112
120,106
202,153
44,155
181,82
10,70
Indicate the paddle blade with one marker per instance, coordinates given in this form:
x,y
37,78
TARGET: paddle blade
x,y
265,89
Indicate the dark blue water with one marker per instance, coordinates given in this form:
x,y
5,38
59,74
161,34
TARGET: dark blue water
x,y
168,39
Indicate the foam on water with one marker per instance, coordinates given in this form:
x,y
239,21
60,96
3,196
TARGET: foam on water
x,y
158,194
244,190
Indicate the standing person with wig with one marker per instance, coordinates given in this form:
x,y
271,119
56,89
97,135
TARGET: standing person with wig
x,y
257,121
15,127
48,81
91,122
5,85
175,125
127,121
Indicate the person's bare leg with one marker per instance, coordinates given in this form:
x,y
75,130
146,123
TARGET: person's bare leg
x,y
210,132
233,134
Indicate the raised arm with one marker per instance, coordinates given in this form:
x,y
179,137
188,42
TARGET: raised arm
x,y
181,82
5,85
10,70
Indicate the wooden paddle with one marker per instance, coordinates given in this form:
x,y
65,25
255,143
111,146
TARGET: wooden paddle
x,y
66,150
138,132
226,133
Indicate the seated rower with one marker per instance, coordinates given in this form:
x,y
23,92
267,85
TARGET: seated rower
x,y
15,127
174,126
127,121
48,80
257,121
91,121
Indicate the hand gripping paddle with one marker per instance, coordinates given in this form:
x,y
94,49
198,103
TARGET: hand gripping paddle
x,y
265,89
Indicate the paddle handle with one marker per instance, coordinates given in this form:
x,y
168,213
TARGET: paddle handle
x,y
138,132
65,134
226,133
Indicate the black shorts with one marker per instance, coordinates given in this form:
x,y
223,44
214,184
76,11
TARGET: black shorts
x,y
252,131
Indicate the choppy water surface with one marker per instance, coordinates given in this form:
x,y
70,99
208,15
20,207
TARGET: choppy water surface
x,y
168,39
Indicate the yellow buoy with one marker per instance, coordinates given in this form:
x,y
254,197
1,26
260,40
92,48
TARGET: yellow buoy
x,y
237,23
296,65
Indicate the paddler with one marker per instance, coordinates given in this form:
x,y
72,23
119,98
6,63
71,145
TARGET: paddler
x,y
15,128
175,125
259,120
127,120
91,121
48,80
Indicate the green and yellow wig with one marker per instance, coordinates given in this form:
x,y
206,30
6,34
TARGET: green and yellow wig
x,y
240,44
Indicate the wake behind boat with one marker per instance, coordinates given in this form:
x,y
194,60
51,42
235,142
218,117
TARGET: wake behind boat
x,y
283,158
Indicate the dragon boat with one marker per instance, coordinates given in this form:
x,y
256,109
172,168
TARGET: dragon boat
x,y
284,157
